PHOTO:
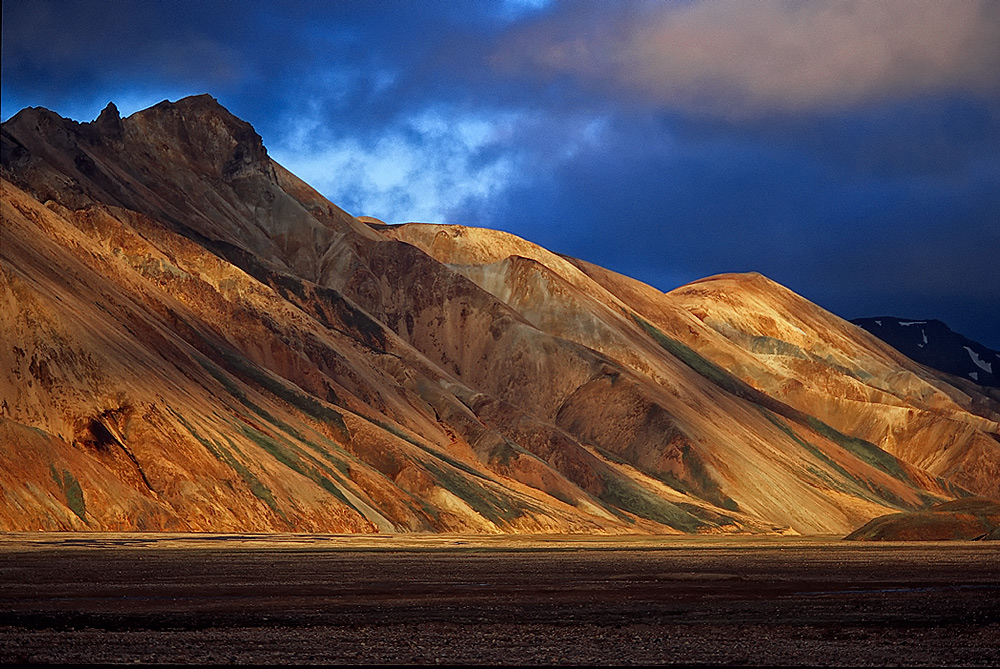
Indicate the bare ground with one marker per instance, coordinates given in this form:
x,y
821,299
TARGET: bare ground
x,y
239,599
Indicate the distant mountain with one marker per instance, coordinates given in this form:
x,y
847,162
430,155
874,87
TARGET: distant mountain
x,y
934,344
193,339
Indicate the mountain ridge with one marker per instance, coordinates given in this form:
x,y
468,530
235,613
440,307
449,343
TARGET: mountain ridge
x,y
256,359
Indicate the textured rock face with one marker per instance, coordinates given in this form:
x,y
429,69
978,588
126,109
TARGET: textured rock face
x,y
194,339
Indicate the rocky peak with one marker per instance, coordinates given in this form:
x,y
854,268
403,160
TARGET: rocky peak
x,y
61,133
205,133
198,130
108,127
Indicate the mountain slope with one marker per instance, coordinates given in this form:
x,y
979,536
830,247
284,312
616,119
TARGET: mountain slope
x,y
822,365
198,340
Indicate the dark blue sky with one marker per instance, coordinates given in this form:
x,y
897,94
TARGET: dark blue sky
x,y
849,150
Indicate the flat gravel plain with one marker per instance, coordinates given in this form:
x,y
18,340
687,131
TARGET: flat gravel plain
x,y
439,600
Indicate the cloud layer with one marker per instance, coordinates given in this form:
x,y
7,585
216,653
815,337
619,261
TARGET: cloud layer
x,y
739,58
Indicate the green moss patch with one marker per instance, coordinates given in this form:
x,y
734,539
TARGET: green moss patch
x,y
305,403
71,491
861,449
624,494
457,464
862,487
297,460
225,456
496,507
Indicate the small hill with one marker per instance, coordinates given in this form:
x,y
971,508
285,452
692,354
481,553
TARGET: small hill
x,y
963,519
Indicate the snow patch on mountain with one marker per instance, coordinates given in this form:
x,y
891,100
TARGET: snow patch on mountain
x,y
979,362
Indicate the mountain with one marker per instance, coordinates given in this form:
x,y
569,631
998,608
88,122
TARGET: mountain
x,y
195,339
934,344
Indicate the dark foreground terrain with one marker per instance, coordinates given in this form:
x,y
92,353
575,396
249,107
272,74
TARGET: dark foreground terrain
x,y
78,598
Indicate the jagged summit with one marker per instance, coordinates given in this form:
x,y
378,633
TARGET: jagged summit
x,y
195,339
197,128
191,164
207,133
109,111
202,102
108,126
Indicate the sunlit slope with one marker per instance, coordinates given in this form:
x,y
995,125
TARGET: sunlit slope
x,y
721,424
259,368
802,355
157,387
834,370
195,339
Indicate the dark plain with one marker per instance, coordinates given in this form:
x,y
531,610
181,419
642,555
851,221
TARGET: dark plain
x,y
665,601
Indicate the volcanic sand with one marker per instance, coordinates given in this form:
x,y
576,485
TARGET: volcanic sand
x,y
85,597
